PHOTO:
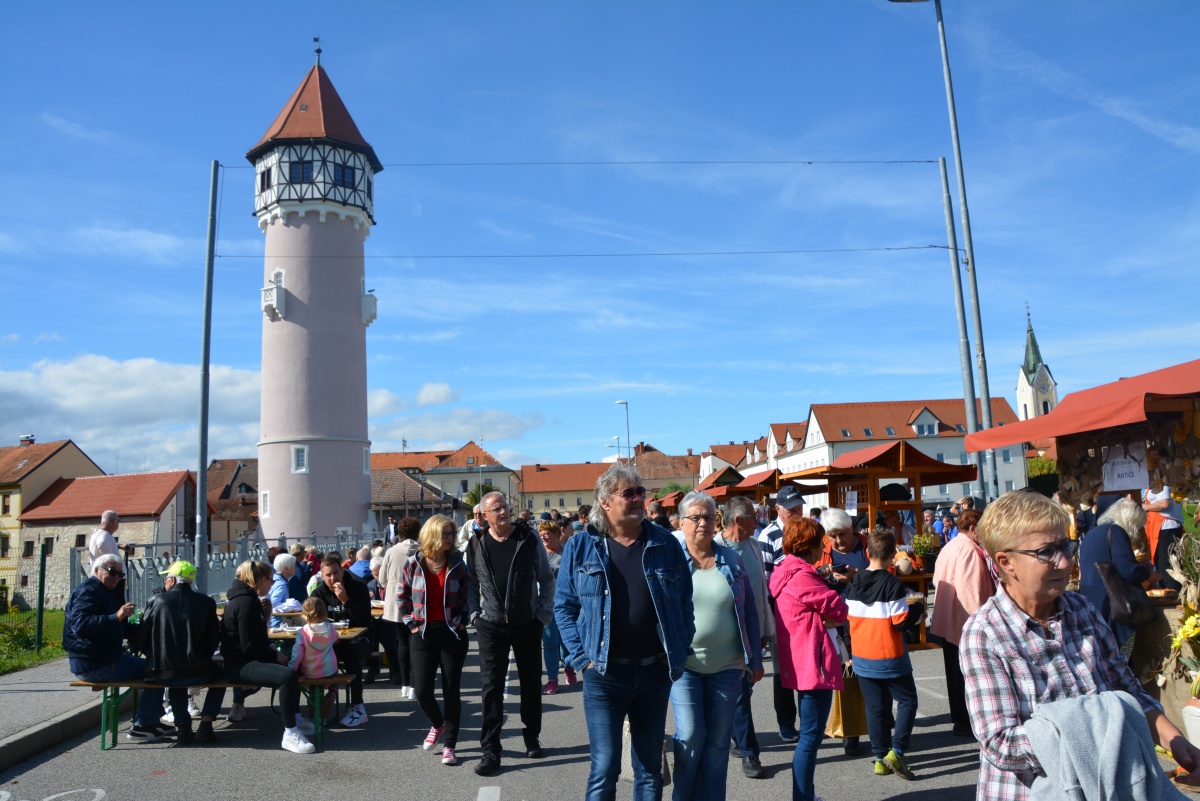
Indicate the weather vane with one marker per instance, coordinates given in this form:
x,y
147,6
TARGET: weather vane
x,y
317,39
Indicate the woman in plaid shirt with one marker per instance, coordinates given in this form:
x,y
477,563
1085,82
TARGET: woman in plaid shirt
x,y
1033,643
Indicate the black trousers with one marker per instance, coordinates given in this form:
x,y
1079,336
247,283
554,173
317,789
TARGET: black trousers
x,y
352,654
271,674
495,642
439,647
956,688
394,637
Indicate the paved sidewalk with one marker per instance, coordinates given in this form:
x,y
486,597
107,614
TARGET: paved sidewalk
x,y
41,710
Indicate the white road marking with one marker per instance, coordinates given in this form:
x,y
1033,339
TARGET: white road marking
x,y
488,794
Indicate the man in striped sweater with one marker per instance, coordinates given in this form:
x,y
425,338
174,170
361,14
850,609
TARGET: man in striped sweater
x,y
878,614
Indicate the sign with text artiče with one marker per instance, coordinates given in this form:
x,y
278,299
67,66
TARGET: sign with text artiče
x,y
851,502
1125,468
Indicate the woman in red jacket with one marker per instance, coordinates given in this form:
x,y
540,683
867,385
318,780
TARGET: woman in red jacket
x,y
809,662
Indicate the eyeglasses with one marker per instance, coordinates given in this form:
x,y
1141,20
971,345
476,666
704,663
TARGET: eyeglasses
x,y
112,571
697,519
1049,554
630,493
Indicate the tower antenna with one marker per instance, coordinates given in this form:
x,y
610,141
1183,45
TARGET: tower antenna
x,y
317,39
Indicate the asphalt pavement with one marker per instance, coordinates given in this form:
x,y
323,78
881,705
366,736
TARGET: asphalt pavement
x,y
384,759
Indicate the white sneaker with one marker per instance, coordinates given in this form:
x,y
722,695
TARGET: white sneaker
x,y
193,710
297,743
169,719
237,712
357,716
304,725
410,693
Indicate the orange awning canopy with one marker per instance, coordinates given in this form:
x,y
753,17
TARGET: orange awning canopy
x,y
1106,406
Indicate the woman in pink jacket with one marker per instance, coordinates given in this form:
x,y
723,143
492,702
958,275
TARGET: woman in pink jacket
x,y
809,663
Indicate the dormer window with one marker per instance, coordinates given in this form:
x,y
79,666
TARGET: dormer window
x,y
846,433
300,172
926,429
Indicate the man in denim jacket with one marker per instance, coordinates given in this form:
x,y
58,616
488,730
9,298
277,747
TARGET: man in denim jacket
x,y
624,609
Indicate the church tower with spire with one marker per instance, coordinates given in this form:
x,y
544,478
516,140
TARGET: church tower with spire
x,y
1037,393
314,174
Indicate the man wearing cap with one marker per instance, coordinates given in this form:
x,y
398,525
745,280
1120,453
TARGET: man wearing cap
x,y
179,634
95,623
789,503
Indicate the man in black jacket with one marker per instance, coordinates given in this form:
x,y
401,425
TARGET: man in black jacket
x,y
505,562
347,599
179,634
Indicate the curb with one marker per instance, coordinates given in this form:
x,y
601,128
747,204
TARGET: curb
x,y
46,735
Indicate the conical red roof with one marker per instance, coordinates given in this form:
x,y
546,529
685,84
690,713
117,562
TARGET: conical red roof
x,y
315,111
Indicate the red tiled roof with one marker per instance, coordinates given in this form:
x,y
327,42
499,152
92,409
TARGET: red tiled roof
x,y
561,477
396,487
18,461
315,111
724,476
731,453
419,460
879,416
652,463
225,475
141,494
459,457
780,430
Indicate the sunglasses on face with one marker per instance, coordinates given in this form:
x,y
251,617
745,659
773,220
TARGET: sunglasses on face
x,y
112,571
697,519
633,492
1049,554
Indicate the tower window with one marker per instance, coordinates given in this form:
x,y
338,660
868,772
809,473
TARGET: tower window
x,y
299,458
1045,407
300,172
264,504
343,175
370,196
264,180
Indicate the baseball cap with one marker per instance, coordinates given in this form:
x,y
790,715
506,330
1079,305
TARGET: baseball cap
x,y
789,497
181,569
544,516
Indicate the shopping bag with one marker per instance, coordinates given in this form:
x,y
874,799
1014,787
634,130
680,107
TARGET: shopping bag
x,y
848,715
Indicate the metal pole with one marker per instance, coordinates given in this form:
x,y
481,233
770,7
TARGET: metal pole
x,y
41,601
202,471
992,482
964,343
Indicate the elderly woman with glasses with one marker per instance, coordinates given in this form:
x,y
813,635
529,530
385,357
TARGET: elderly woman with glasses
x,y
1034,652
727,643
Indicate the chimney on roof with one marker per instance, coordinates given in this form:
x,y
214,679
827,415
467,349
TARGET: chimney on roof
x,y
537,468
689,451
27,440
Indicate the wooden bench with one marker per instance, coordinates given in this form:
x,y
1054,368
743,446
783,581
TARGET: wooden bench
x,y
116,692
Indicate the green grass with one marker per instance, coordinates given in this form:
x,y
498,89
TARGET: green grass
x,y
17,640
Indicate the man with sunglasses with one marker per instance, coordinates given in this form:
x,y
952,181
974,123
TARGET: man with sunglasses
x,y
95,623
624,611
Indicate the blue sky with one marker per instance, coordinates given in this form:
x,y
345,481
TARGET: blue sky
x,y
1080,124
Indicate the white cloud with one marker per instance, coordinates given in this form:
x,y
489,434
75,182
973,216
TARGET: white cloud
x,y
507,232
77,131
457,426
514,459
436,395
382,402
134,243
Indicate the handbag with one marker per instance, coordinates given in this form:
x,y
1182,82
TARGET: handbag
x,y
848,714
1127,605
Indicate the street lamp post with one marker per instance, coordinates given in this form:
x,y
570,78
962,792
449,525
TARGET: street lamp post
x,y
628,441
992,482
617,446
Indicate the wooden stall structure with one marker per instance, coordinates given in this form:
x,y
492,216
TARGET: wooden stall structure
x,y
863,472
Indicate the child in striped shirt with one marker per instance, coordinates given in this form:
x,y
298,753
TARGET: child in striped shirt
x,y
878,613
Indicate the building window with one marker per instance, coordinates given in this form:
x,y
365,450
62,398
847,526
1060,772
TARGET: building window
x,y
370,194
546,503
891,432
366,461
1008,486
24,581
28,549
1007,455
6,504
529,504
962,458
941,457
4,547
264,180
926,429
868,432
462,485
264,504
845,433
579,500
561,504
943,489
1045,407
81,540
299,458
49,545
966,489
343,176
470,460
1024,411
300,172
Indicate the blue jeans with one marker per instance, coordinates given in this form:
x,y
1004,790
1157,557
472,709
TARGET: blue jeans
x,y
814,712
703,705
642,694
551,643
150,702
745,740
877,698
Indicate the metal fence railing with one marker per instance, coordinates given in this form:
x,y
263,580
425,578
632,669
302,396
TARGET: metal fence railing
x,y
143,570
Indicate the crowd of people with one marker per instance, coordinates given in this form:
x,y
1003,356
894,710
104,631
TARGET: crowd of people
x,y
653,612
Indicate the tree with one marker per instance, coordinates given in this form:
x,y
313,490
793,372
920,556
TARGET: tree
x,y
1043,475
672,486
477,492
